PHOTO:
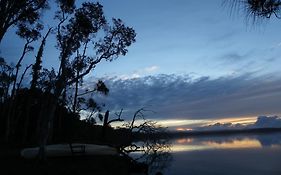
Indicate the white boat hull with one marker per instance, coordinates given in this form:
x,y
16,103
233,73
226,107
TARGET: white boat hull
x,y
60,150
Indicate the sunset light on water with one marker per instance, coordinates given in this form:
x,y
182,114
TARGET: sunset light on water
x,y
189,144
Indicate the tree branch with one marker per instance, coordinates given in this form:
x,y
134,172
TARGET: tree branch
x,y
22,76
118,119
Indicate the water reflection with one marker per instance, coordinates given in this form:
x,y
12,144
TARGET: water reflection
x,y
213,155
269,140
226,142
258,154
156,153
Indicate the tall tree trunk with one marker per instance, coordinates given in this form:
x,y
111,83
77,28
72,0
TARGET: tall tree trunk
x,y
37,66
104,126
8,122
47,115
2,33
27,118
74,107
18,65
12,101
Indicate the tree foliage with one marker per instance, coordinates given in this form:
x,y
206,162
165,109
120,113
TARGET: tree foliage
x,y
6,77
257,9
84,39
24,14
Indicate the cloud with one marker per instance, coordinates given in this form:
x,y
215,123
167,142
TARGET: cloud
x,y
224,36
267,122
182,97
261,122
151,69
275,46
271,59
139,73
233,57
221,126
131,76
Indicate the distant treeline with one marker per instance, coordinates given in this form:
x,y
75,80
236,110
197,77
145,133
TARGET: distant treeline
x,y
223,132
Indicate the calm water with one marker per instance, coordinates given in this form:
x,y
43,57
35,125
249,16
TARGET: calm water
x,y
234,155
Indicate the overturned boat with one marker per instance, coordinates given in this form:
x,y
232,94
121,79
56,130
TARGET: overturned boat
x,y
60,150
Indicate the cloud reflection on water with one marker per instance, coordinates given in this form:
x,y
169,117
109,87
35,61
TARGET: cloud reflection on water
x,y
227,142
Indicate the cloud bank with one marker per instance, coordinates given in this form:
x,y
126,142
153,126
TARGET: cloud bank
x,y
182,97
267,122
261,122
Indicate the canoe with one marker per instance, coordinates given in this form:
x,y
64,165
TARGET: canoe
x,y
60,150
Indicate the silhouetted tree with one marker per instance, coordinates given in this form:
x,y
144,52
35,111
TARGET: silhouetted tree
x,y
37,65
22,76
81,103
257,9
21,13
152,142
30,35
79,29
85,24
24,14
6,79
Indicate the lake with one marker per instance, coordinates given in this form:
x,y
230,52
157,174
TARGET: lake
x,y
257,154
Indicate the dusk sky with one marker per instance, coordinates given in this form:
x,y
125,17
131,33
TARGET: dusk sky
x,y
193,63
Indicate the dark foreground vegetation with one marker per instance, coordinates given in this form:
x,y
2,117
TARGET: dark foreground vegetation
x,y
68,128
78,165
41,106
47,108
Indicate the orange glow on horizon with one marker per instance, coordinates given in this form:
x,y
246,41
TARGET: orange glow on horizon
x,y
188,124
244,120
184,129
184,140
246,143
